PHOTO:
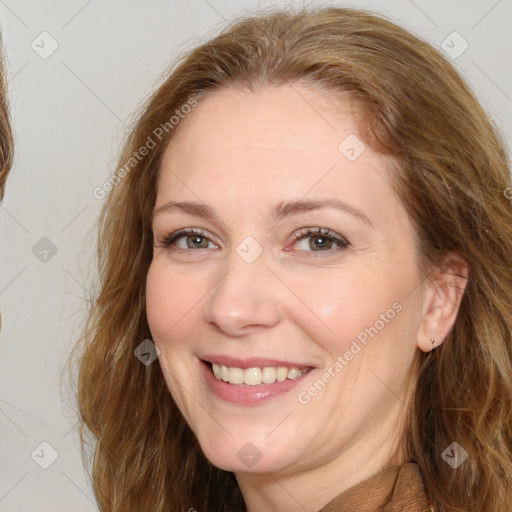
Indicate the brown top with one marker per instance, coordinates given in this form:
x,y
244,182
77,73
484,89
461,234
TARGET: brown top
x,y
395,489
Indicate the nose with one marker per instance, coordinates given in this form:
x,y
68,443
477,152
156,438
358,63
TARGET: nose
x,y
244,300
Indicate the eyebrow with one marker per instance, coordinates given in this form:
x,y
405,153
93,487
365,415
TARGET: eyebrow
x,y
189,207
295,207
279,212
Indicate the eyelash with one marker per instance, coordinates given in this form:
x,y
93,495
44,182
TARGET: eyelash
x,y
323,232
301,234
171,238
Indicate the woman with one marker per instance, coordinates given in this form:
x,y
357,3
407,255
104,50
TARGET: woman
x,y
309,223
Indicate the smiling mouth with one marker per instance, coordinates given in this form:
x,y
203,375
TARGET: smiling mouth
x,y
255,376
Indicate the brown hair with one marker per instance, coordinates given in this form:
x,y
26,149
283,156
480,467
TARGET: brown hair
x,y
6,142
451,174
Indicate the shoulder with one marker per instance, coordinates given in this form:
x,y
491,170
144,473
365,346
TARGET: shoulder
x,y
394,489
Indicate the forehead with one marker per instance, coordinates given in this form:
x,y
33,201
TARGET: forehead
x,y
281,141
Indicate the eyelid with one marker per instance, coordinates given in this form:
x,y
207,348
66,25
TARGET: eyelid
x,y
169,239
302,233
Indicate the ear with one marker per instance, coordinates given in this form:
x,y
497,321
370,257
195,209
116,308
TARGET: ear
x,y
443,294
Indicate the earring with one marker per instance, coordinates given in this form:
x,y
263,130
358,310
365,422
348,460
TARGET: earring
x,y
432,342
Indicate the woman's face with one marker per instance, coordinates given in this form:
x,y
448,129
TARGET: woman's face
x,y
299,284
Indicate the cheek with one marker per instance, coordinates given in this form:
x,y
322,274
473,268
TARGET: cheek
x,y
170,299
339,307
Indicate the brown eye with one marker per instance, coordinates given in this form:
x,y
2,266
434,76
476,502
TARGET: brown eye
x,y
320,243
197,242
319,240
186,239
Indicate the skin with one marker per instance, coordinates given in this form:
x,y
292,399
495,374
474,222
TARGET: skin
x,y
242,153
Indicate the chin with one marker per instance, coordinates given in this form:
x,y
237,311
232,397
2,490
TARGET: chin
x,y
249,464
237,454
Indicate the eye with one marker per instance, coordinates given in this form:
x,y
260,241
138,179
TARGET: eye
x,y
319,240
190,238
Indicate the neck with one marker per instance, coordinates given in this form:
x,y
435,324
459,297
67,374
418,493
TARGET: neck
x,y
310,488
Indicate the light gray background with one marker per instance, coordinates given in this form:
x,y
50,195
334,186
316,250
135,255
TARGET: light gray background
x,y
70,111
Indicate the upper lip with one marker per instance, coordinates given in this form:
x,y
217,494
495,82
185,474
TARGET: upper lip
x,y
251,362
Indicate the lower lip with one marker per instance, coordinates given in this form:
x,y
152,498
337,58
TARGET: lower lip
x,y
248,395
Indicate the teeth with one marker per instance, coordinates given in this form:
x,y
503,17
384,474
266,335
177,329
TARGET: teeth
x,y
293,373
236,375
269,375
255,376
282,373
252,376
217,371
